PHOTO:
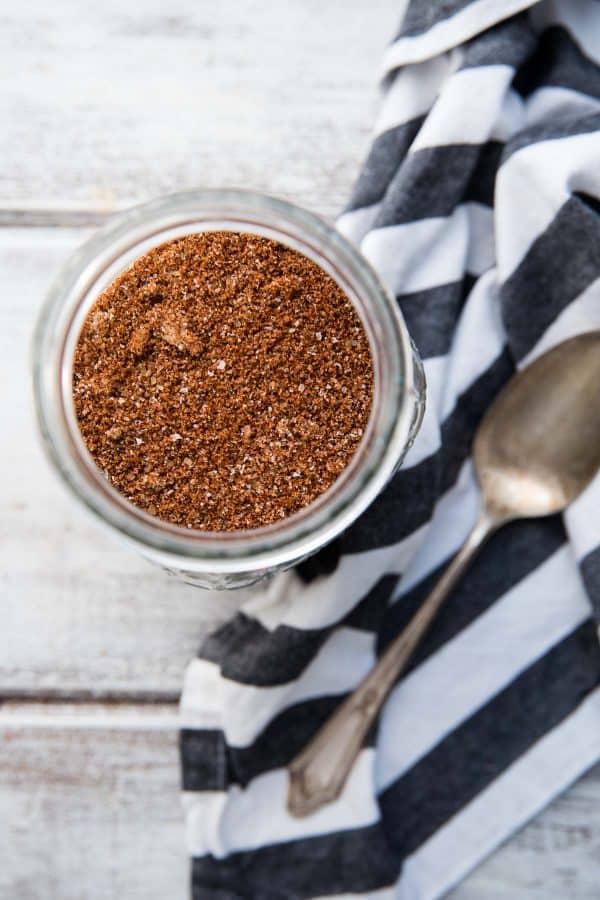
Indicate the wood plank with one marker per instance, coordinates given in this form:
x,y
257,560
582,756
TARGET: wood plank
x,y
107,104
81,615
51,218
89,807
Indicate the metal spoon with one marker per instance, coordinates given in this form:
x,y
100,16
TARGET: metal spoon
x,y
536,449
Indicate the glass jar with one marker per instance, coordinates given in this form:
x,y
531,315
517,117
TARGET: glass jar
x,y
232,559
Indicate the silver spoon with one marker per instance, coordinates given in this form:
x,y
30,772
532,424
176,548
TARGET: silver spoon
x,y
536,449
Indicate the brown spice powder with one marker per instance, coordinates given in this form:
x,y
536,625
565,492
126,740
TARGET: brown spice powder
x,y
223,381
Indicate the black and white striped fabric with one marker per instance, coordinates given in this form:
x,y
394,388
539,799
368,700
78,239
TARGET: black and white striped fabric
x,y
479,206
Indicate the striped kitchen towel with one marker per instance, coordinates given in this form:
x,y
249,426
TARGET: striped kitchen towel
x,y
479,205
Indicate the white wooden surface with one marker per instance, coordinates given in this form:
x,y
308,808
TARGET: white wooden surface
x,y
124,101
101,109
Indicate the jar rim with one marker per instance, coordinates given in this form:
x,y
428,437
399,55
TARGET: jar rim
x,y
126,237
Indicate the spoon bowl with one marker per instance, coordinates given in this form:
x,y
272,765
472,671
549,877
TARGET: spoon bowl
x,y
538,445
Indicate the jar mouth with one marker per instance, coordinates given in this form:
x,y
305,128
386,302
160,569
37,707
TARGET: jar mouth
x,y
111,250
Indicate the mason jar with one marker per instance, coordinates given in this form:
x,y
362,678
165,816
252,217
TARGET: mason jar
x,y
226,559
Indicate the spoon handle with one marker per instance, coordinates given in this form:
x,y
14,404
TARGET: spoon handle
x,y
319,772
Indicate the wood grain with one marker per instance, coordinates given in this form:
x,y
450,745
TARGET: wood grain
x,y
104,105
89,808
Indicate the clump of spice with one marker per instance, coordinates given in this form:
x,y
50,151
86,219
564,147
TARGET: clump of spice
x,y
222,382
